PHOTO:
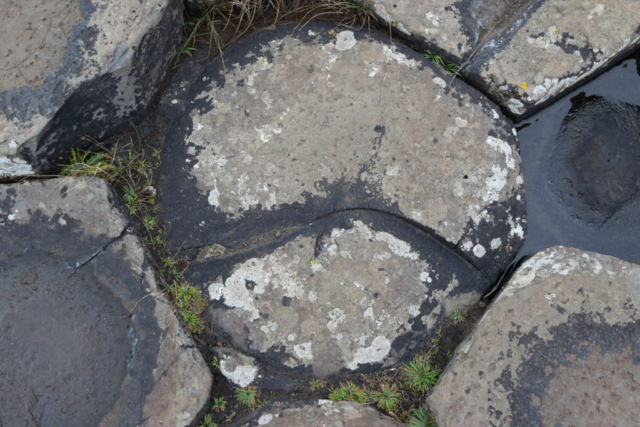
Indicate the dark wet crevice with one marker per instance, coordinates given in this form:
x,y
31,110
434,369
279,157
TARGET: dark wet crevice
x,y
430,233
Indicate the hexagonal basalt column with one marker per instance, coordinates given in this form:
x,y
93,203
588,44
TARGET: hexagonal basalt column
x,y
560,345
523,54
77,67
353,292
87,338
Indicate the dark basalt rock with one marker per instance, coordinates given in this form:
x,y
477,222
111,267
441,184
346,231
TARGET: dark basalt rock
x,y
87,336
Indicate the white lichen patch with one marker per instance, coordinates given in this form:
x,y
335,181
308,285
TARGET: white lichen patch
x,y
344,315
345,40
240,374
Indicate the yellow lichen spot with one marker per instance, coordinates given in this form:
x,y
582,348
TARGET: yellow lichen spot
x,y
395,24
523,86
556,31
313,261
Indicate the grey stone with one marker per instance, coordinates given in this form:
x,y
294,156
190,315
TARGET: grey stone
x,y
524,53
77,67
317,413
87,338
559,346
297,125
353,292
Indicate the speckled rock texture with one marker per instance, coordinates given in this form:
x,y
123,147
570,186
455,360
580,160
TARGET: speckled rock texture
x,y
317,413
87,336
354,292
77,67
559,346
523,53
298,125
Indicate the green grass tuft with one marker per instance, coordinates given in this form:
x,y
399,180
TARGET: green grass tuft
x,y
420,375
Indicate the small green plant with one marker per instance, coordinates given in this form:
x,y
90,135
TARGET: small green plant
x,y
150,223
216,362
219,404
387,398
208,422
457,316
420,418
439,61
247,396
158,241
349,391
317,384
211,252
420,375
131,198
190,303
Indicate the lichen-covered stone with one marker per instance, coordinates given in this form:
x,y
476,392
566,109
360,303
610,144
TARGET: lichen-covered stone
x,y
87,338
526,53
559,346
353,292
317,413
77,67
296,125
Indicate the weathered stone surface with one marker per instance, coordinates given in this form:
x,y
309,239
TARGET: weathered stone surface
x,y
77,67
295,126
353,292
87,336
559,346
317,413
526,53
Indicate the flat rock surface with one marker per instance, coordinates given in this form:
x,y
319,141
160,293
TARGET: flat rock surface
x,y
317,413
297,125
87,336
353,292
559,346
526,53
77,67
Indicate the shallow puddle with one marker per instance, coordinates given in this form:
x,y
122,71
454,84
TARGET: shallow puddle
x,y
581,165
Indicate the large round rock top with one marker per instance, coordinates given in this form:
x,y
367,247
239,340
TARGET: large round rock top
x,y
73,68
290,125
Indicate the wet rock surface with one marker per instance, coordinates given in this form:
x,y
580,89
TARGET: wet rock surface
x,y
298,125
317,413
524,54
559,345
595,169
353,292
88,338
75,68
582,160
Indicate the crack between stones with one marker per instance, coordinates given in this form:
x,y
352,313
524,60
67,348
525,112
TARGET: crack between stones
x,y
123,233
